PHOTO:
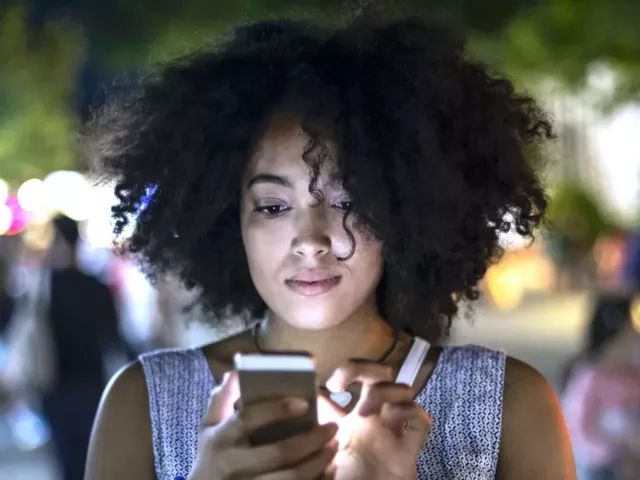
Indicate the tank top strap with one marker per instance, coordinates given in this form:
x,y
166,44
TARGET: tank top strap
x,y
413,362
179,384
464,400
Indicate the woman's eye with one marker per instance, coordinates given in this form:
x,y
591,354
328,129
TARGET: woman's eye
x,y
272,210
346,206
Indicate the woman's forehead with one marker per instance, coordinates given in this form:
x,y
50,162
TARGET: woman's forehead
x,y
282,146
281,151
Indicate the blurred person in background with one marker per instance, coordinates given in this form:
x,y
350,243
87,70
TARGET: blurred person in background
x,y
6,301
84,327
602,394
18,267
77,315
612,255
10,291
6,309
344,189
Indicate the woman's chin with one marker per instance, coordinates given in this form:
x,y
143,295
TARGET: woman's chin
x,y
316,323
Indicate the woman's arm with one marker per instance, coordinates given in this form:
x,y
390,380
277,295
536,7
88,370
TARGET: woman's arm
x,y
121,445
535,443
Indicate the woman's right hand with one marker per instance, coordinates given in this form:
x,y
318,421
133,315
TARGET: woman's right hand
x,y
224,451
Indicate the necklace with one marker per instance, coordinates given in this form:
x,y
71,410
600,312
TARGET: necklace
x,y
343,398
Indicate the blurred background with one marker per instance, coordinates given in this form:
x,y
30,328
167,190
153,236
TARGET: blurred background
x,y
60,59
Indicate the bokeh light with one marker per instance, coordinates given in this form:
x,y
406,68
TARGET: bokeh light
x,y
68,193
32,195
19,217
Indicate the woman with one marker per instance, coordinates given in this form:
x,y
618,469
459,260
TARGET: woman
x,y
344,189
602,395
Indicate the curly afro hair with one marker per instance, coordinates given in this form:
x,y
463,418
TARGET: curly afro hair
x,y
432,148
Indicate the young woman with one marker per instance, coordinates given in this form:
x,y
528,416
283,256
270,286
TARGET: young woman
x,y
346,190
602,395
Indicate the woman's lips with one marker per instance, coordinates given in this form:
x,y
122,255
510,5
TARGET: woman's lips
x,y
313,288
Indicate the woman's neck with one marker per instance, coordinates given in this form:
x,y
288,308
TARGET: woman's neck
x,y
363,336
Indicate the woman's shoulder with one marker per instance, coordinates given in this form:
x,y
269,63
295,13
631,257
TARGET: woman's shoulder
x,y
124,399
533,426
127,384
520,378
121,444
142,423
528,392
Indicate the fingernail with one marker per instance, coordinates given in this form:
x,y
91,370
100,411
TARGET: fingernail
x,y
297,405
334,384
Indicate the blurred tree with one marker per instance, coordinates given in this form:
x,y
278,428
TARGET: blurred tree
x,y
131,33
528,38
576,217
565,39
37,72
577,224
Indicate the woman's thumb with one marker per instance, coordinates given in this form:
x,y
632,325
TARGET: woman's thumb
x,y
223,398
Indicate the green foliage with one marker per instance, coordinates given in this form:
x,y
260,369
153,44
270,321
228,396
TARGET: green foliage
x,y
37,74
576,216
527,39
564,38
151,30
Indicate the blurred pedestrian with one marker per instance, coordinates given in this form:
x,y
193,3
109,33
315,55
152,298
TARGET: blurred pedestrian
x,y
63,331
6,301
602,394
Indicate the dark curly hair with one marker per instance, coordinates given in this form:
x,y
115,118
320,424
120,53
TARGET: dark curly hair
x,y
432,148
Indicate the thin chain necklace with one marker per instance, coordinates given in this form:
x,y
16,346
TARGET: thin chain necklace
x,y
385,355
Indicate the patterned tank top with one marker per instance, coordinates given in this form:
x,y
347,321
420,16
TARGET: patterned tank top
x,y
463,398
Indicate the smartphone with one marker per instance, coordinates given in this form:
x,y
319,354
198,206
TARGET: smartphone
x,y
275,376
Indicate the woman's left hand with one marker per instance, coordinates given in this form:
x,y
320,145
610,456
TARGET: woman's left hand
x,y
383,435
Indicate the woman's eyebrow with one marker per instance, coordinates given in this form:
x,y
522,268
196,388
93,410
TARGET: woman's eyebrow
x,y
270,178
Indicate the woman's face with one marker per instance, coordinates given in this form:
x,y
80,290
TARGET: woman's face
x,y
293,242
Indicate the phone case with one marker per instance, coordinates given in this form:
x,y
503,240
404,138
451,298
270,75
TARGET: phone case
x,y
256,386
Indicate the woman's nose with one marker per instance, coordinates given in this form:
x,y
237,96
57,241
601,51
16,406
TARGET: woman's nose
x,y
312,237
311,245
